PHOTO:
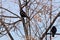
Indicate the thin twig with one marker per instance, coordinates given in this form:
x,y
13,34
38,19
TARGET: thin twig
x,y
9,11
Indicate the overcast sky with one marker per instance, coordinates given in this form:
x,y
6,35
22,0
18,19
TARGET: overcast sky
x,y
14,8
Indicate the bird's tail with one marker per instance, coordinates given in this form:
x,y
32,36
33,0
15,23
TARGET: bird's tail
x,y
53,35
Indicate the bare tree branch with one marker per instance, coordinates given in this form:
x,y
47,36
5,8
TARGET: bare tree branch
x,y
50,26
8,16
13,22
9,11
7,30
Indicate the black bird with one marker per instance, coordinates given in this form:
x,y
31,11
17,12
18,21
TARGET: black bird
x,y
23,14
53,31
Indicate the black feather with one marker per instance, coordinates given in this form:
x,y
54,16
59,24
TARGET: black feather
x,y
23,14
53,31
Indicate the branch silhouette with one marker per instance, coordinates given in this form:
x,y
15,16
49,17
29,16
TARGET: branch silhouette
x,y
50,26
2,23
9,11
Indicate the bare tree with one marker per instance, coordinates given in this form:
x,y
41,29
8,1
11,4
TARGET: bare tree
x,y
36,21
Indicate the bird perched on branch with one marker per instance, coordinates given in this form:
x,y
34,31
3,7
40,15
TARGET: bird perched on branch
x,y
23,14
53,31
